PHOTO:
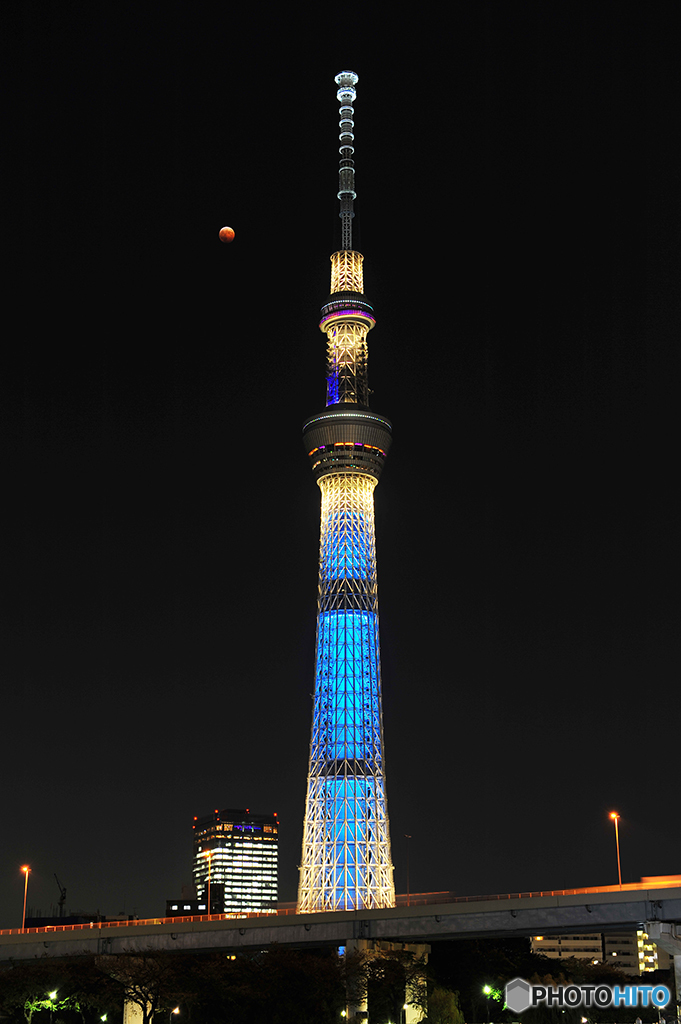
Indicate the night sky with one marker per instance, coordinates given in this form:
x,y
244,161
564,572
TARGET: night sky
x,y
519,213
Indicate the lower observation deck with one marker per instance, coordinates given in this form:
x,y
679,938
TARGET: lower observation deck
x,y
347,438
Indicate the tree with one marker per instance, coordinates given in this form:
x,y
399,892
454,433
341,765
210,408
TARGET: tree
x,y
70,991
443,1007
147,979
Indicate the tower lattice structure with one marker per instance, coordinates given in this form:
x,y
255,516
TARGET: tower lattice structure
x,y
346,860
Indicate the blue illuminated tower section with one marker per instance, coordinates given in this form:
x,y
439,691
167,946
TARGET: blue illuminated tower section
x,y
346,862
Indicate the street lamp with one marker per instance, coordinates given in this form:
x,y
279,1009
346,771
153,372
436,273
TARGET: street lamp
x,y
176,1010
26,869
615,817
487,990
408,893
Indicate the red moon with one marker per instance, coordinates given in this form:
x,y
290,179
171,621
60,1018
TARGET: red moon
x,y
226,234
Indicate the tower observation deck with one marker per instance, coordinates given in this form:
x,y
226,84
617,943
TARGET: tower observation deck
x,y
346,861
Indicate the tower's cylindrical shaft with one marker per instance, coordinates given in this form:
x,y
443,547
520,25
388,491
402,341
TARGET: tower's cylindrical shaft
x,y
346,320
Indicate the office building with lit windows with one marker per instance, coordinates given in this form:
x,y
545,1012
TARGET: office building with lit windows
x,y
235,856
632,952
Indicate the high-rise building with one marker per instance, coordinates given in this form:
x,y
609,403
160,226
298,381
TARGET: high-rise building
x,y
236,857
346,860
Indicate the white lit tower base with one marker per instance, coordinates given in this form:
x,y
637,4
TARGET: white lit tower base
x,y
346,860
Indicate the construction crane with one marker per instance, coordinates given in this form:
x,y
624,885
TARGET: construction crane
x,y
62,897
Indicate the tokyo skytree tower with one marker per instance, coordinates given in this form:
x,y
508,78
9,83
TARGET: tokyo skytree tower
x,y
346,861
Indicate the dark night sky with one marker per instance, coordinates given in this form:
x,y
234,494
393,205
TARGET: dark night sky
x,y
517,171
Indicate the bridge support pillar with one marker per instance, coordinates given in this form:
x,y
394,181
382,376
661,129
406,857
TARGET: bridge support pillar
x,y
667,936
414,1004
132,1012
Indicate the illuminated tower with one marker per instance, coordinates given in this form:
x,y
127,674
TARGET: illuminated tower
x,y
346,862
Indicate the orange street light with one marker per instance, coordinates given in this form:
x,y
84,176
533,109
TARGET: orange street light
x,y
26,869
615,817
408,892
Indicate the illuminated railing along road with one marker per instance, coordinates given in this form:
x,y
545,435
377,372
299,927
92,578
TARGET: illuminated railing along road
x,y
414,900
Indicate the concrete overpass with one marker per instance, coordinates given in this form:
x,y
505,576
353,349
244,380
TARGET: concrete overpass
x,y
658,910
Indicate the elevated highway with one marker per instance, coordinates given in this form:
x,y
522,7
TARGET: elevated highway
x,y
590,910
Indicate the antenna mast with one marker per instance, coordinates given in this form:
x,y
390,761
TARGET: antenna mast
x,y
347,317
346,82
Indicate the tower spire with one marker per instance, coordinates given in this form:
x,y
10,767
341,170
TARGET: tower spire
x,y
347,317
346,82
346,861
